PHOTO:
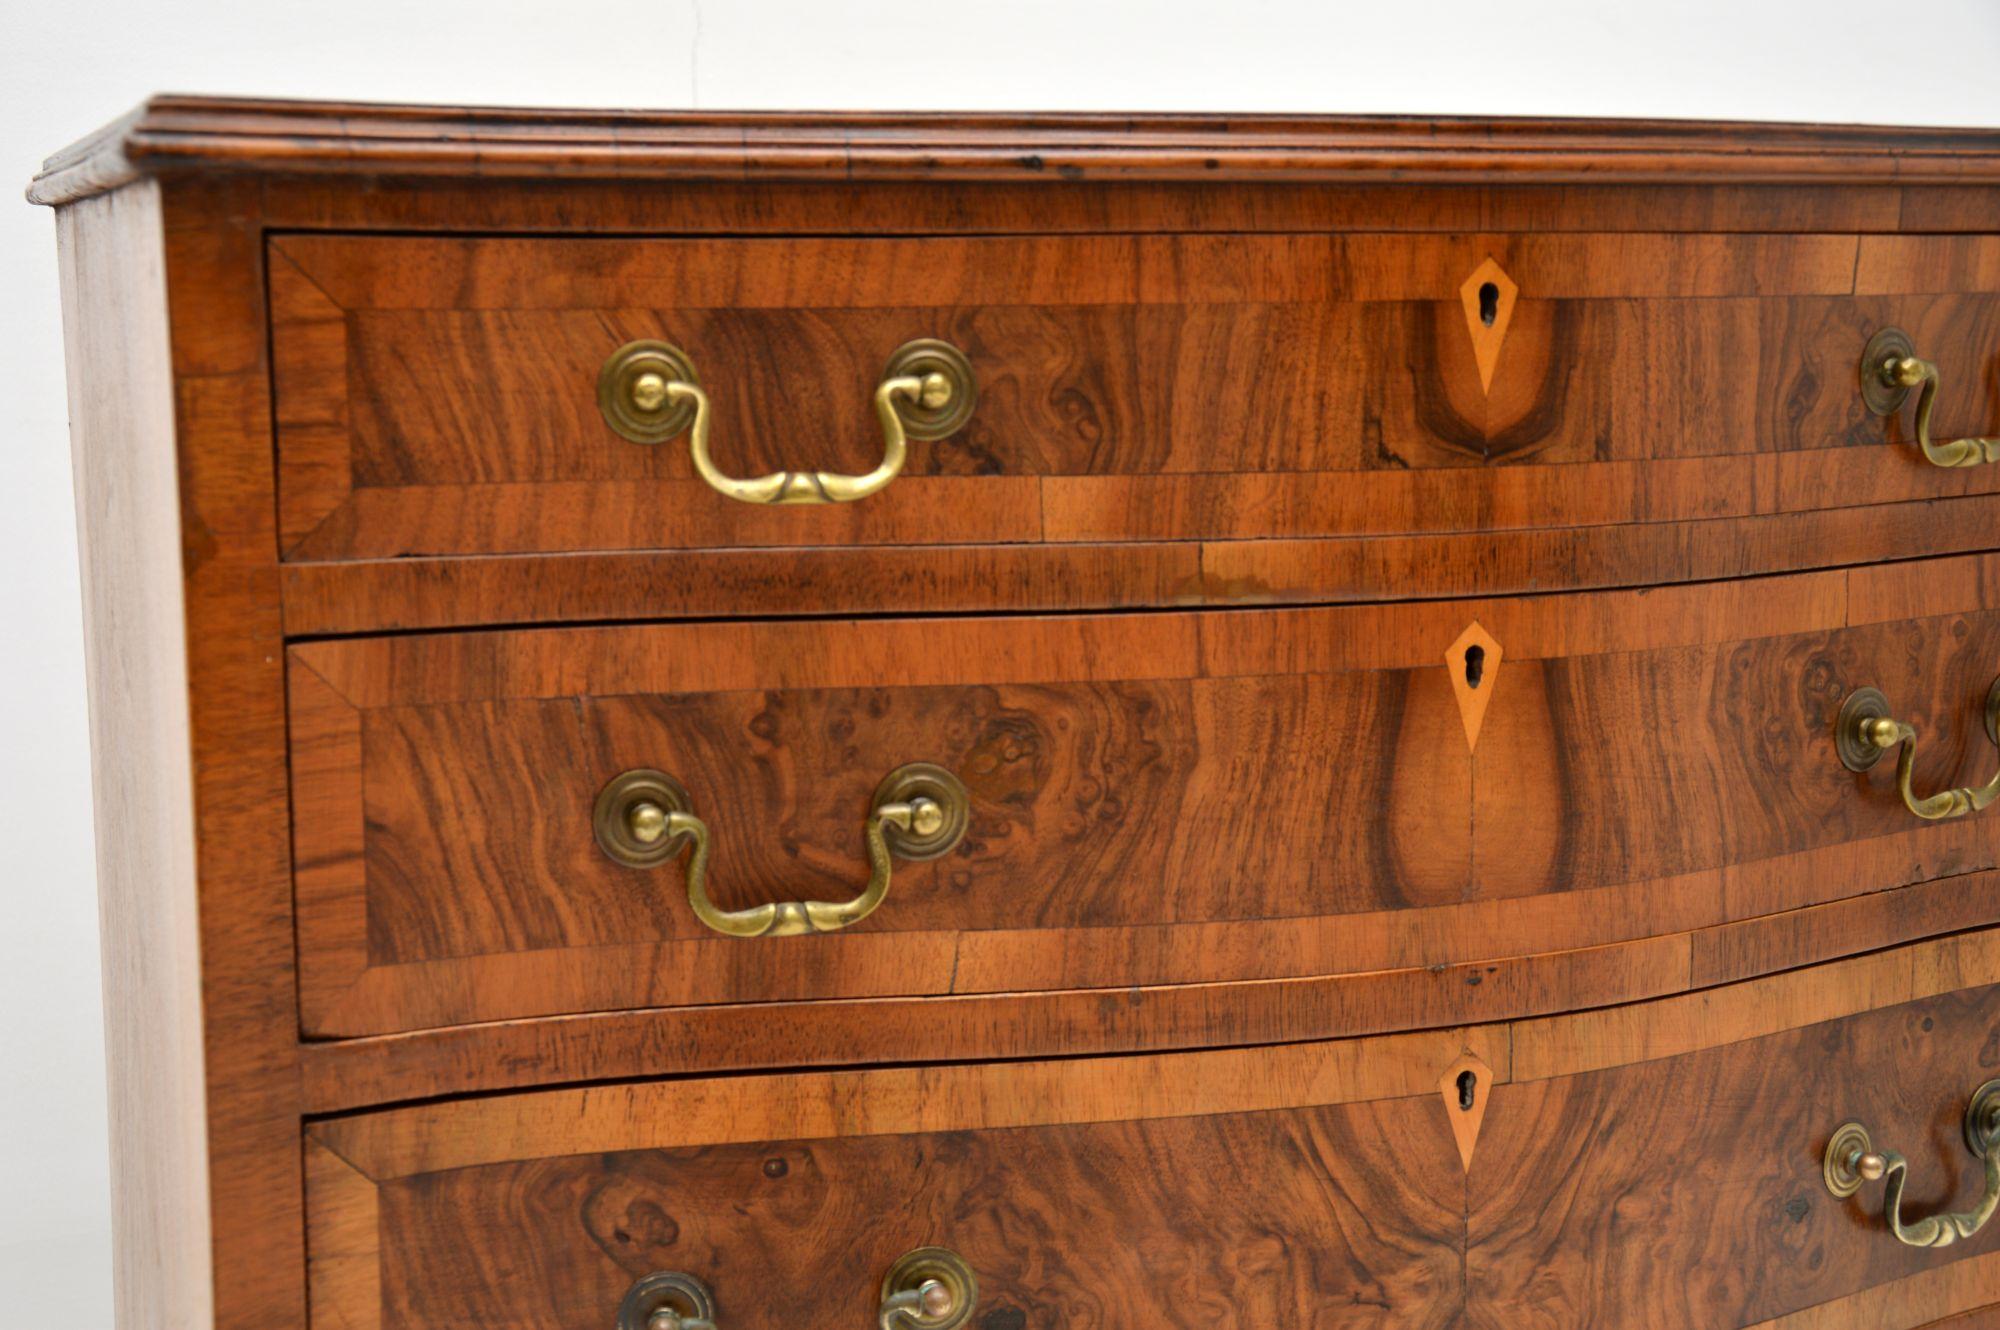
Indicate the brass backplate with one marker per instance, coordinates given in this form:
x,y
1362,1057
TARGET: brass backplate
x,y
1883,394
627,365
1857,751
1850,1141
927,781
928,355
1982,1118
660,1290
611,816
913,1269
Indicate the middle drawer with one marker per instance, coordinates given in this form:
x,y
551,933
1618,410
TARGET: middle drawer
x,y
1137,799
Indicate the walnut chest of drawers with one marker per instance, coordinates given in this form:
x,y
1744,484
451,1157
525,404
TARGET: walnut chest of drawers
x,y
1037,723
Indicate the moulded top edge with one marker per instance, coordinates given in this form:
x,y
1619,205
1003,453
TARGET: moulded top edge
x,y
184,133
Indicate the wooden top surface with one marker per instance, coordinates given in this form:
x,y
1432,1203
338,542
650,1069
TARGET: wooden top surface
x,y
180,133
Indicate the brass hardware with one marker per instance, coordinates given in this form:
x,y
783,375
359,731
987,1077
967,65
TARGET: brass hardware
x,y
1865,730
667,1300
631,817
644,818
1890,367
649,393
949,389
1851,1159
930,1288
632,391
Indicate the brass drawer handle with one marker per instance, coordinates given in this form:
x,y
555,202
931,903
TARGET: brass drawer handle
x,y
649,393
1889,369
1864,730
1851,1160
930,1288
644,817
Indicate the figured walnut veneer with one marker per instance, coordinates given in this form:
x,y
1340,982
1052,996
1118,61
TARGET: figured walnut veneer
x,y
432,395
1296,1186
1263,862
1154,798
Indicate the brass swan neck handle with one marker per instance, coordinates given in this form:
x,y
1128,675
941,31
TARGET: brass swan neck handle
x,y
1865,730
649,393
931,1288
1889,369
643,818
1851,1159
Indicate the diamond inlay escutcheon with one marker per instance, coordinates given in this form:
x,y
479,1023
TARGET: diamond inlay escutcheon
x,y
1473,662
1488,297
1464,1086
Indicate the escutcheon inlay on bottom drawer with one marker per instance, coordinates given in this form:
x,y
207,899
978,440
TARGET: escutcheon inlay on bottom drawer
x,y
1651,1165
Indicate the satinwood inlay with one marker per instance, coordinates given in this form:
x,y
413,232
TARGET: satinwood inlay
x,y
1473,662
1464,1087
1488,297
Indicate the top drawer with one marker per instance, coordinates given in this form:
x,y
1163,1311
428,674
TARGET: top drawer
x,y
440,396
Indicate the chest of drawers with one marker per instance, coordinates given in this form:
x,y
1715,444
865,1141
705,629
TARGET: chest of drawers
x,y
1041,722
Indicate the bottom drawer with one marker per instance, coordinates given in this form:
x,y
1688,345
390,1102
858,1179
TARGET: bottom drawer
x,y
1654,1164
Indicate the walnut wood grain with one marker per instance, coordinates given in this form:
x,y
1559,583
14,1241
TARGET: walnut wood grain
x,y
447,870
344,597
1286,570
175,479
1207,1065
236,695
1723,750
495,275
172,134
1973,1318
346,1074
1063,729
1583,1224
129,538
384,595
1444,500
884,208
437,396
890,1160
344,1274
1549,1048
1961,1295
604,1184
1064,1225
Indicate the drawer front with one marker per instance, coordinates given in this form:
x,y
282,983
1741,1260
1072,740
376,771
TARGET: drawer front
x,y
440,396
1659,1164
1147,799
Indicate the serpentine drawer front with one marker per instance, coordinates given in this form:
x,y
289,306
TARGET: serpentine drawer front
x,y
539,822
1533,1174
728,722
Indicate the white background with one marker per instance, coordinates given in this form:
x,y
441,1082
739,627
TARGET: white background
x,y
66,67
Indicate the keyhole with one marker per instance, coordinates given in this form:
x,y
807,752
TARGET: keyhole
x,y
1468,1082
1489,303
1475,665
